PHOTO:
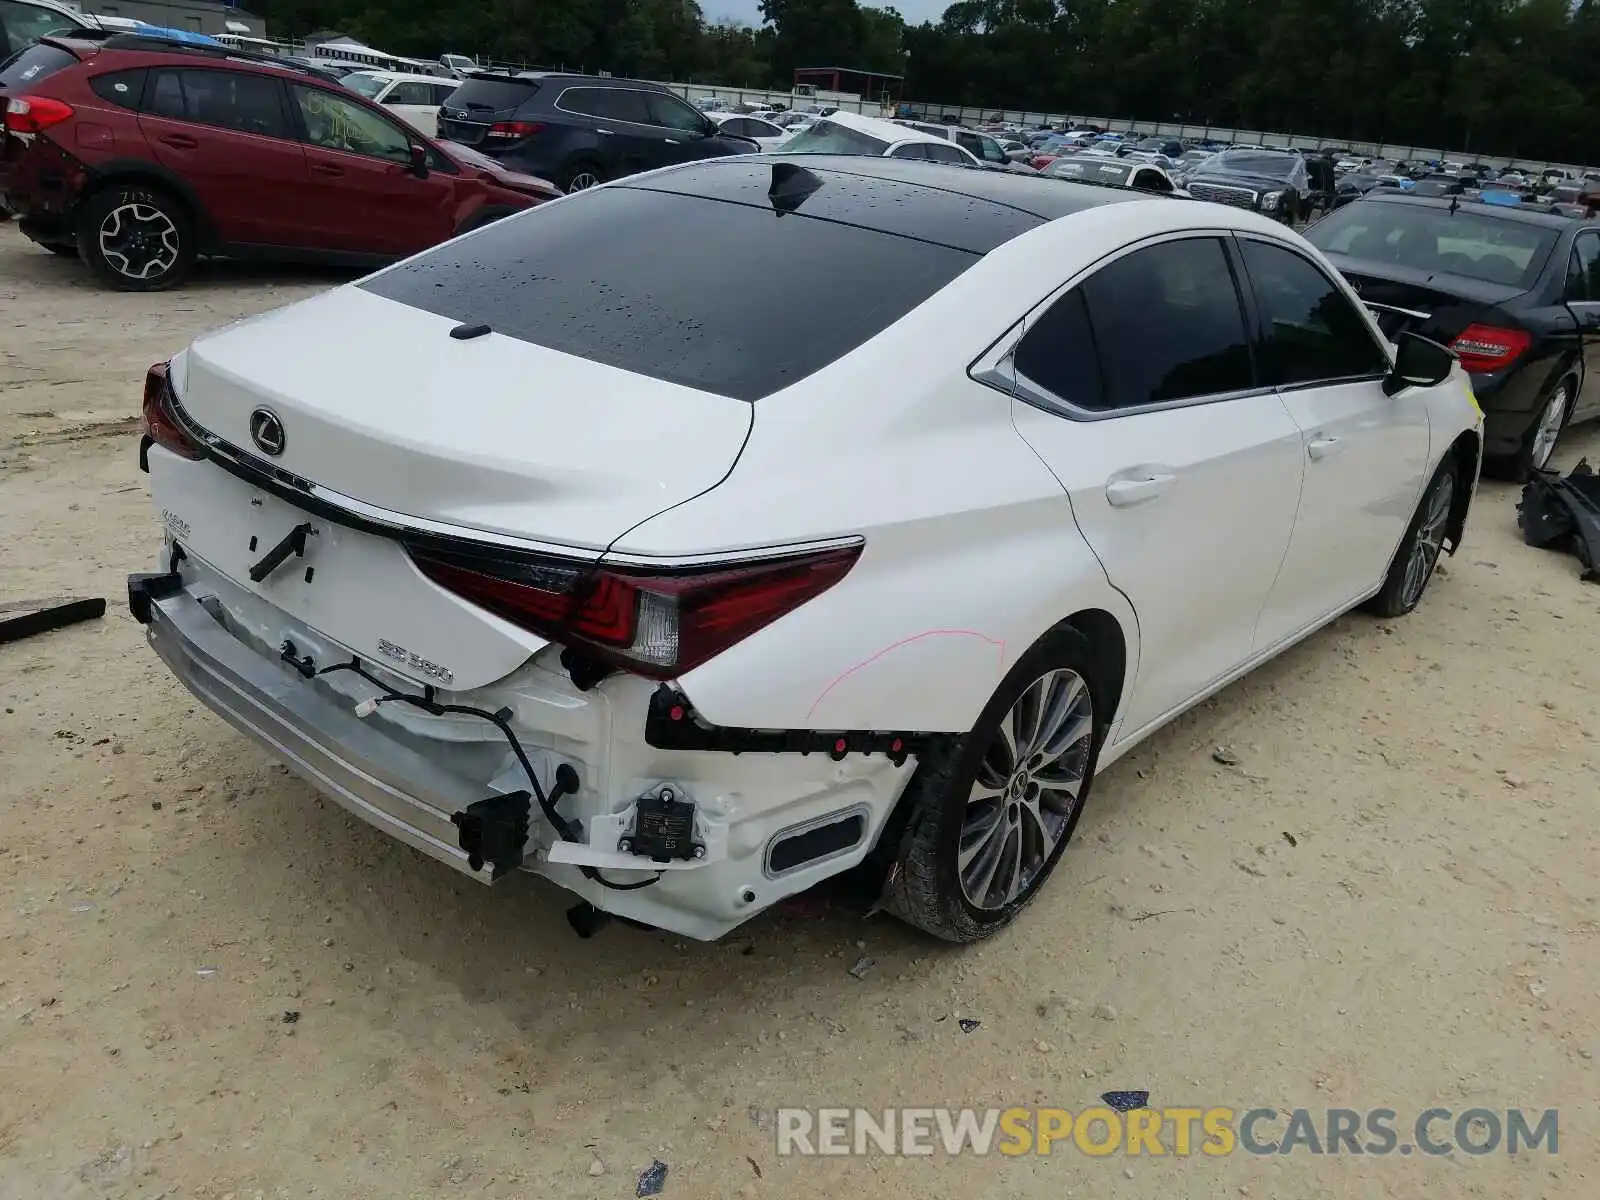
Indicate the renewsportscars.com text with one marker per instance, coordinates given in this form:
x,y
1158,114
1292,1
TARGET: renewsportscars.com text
x,y
1213,1132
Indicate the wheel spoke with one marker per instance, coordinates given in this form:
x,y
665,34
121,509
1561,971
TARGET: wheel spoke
x,y
986,864
977,834
1026,789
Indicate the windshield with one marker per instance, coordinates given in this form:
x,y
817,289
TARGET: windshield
x,y
364,84
1256,162
829,137
1470,243
1096,170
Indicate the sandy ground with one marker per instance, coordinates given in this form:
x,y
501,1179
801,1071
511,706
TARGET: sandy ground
x,y
168,895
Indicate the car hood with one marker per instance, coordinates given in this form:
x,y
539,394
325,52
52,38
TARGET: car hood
x,y
1262,183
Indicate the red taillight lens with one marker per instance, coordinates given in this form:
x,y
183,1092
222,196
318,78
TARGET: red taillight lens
x,y
159,422
35,114
513,130
659,625
1484,348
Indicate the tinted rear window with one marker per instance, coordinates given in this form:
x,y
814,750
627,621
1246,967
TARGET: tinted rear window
x,y
692,291
494,94
1470,242
34,64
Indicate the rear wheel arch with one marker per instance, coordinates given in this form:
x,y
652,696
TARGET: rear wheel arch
x,y
137,172
1465,451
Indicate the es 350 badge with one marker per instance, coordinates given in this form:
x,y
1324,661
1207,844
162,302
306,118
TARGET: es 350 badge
x,y
416,662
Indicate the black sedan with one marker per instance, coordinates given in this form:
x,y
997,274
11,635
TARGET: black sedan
x,y
1514,292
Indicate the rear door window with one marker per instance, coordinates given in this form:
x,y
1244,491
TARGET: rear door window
x,y
678,288
409,91
225,99
946,153
1583,277
607,104
1183,288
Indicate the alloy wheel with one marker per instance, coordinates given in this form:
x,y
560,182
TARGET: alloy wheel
x,y
582,181
139,241
1429,540
1026,790
1548,431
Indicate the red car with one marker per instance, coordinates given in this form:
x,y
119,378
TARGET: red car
x,y
140,155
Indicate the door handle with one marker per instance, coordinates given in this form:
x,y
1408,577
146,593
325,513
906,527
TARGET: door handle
x,y
1125,493
1320,447
179,141
670,141
327,169
607,132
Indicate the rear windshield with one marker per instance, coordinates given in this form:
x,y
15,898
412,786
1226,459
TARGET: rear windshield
x,y
1468,242
33,64
693,291
364,84
829,137
494,94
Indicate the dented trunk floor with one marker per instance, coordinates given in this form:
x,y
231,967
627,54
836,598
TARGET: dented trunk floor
x,y
213,984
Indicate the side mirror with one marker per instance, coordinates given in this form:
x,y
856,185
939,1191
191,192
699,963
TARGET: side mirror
x,y
1418,362
419,161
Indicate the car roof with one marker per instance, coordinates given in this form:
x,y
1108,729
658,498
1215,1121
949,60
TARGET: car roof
x,y
969,209
1526,216
571,79
884,131
403,76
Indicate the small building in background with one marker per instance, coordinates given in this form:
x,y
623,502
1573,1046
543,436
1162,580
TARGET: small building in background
x,y
193,16
847,82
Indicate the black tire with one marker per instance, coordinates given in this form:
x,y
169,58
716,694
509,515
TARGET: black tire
x,y
575,173
155,232
925,885
1519,466
1400,594
64,249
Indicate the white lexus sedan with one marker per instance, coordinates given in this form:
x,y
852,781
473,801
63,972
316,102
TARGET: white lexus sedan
x,y
553,549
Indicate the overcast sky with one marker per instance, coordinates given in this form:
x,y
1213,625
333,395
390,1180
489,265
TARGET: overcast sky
x,y
749,11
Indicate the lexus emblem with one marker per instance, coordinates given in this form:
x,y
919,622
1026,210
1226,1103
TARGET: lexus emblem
x,y
266,431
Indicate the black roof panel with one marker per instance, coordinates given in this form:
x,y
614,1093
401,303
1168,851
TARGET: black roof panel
x,y
969,210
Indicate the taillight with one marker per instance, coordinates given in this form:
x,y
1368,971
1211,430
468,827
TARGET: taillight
x,y
159,421
656,624
34,114
1484,348
513,130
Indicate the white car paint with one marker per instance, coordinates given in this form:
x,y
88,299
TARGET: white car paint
x,y
415,99
753,126
1213,534
897,140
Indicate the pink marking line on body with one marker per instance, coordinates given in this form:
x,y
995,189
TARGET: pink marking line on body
x,y
906,641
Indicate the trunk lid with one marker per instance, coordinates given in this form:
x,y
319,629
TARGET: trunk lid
x,y
1446,304
479,102
379,403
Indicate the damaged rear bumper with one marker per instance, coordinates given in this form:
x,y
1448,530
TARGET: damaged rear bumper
x,y
386,784
764,825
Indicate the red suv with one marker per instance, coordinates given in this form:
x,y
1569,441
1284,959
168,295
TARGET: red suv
x,y
140,154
